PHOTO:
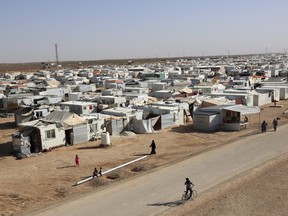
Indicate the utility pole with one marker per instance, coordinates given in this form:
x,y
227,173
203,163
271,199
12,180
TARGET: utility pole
x,y
56,50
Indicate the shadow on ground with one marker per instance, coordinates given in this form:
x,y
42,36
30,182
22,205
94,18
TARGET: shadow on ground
x,y
169,204
6,149
85,177
140,155
91,147
7,125
68,166
189,129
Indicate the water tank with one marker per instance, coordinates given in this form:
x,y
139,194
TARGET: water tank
x,y
105,138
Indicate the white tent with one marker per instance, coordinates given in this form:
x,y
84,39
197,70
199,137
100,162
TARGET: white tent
x,y
66,119
145,125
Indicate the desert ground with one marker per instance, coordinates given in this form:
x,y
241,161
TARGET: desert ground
x,y
44,179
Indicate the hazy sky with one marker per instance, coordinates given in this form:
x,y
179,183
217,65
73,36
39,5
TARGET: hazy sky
x,y
109,29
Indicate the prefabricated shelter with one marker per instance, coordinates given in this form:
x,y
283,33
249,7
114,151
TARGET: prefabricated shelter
x,y
209,88
76,128
35,136
75,96
277,83
171,114
207,119
135,90
111,100
227,117
79,107
252,97
120,119
136,96
246,98
163,94
158,86
111,92
53,100
96,123
283,90
233,118
271,94
137,99
85,88
113,83
55,91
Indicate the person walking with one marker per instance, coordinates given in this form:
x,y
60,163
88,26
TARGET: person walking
x,y
77,160
95,172
264,126
275,123
153,147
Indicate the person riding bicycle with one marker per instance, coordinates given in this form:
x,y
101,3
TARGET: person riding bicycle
x,y
189,186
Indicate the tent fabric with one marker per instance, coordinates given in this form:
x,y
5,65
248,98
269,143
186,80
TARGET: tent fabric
x,y
27,101
74,120
244,110
151,100
66,118
144,126
187,90
53,83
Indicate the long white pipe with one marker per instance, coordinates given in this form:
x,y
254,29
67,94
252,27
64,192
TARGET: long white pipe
x,y
125,164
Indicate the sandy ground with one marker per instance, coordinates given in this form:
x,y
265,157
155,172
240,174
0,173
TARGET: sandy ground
x,y
260,191
46,178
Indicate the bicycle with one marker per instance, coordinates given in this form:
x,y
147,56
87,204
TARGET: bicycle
x,y
186,196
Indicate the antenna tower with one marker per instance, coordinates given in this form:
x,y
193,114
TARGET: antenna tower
x,y
56,50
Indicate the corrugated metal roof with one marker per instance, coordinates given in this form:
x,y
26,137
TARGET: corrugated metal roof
x,y
244,110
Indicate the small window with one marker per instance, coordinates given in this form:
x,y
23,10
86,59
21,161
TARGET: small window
x,y
39,114
50,134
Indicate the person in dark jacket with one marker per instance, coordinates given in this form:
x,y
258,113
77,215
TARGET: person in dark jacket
x,y
275,123
189,186
153,147
264,126
100,171
95,172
